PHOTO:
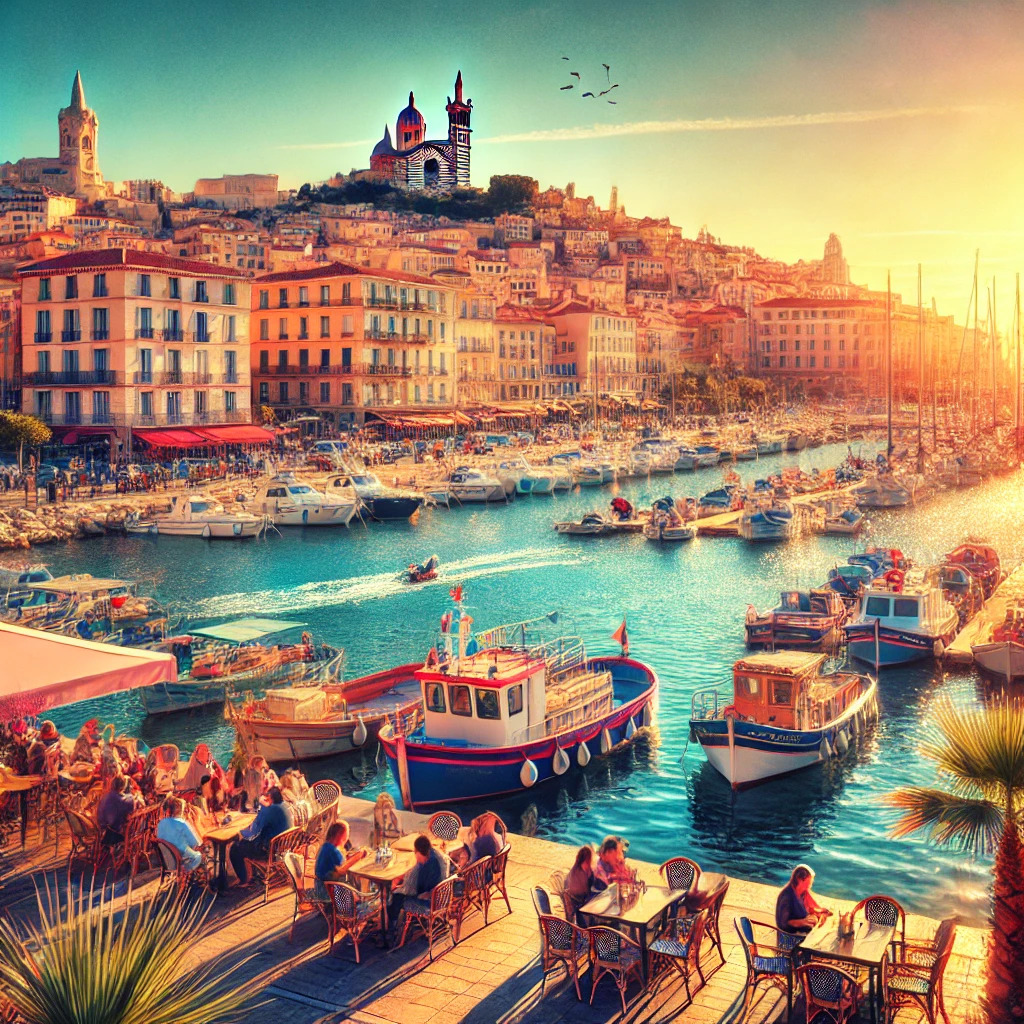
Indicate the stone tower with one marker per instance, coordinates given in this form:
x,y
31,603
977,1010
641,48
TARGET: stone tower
x,y
78,127
459,131
834,269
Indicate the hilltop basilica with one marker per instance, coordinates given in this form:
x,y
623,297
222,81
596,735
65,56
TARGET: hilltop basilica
x,y
414,162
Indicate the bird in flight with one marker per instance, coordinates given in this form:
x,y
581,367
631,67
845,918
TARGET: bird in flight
x,y
588,94
575,75
607,71
612,102
609,89
564,87
565,58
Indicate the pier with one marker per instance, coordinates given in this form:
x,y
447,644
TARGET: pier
x,y
979,629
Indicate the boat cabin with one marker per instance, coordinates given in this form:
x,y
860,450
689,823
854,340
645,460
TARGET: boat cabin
x,y
814,602
914,602
787,689
64,589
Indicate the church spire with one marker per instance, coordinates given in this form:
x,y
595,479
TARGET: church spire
x,y
458,87
77,93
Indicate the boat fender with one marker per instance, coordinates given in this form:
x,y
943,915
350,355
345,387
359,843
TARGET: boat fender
x,y
824,751
206,532
359,735
583,755
938,649
606,741
842,743
855,724
693,737
528,774
648,716
560,762
630,729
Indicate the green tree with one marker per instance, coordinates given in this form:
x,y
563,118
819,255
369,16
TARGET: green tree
x,y
511,193
267,415
752,392
18,429
979,756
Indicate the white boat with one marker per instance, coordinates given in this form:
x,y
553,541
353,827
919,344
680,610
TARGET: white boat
x,y
767,522
192,516
586,474
593,524
746,454
686,459
561,477
1002,653
290,502
471,485
784,714
525,478
881,491
381,502
770,446
663,528
707,455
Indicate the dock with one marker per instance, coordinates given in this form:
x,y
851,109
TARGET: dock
x,y
979,629
726,524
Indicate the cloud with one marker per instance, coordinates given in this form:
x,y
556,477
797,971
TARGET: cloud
x,y
950,232
327,145
729,124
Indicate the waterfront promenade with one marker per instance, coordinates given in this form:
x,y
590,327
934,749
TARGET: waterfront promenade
x,y
492,977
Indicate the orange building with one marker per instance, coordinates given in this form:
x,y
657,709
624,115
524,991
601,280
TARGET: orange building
x,y
342,342
594,350
115,341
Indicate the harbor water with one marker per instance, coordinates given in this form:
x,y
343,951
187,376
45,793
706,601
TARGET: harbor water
x,y
685,606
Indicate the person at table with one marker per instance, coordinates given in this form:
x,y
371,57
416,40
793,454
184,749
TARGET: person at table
x,y
796,909
113,809
580,881
484,841
211,798
175,829
86,749
271,820
431,868
333,859
46,744
611,864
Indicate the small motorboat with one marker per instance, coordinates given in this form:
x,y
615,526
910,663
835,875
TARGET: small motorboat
x,y
421,573
667,522
767,522
1002,654
468,484
593,524
290,502
808,619
381,503
843,522
192,516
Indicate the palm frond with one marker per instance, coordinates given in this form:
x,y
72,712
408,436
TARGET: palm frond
x,y
951,820
87,962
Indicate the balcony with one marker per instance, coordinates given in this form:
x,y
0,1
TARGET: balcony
x,y
382,336
72,378
43,337
101,335
181,378
71,335
172,334
144,332
100,418
433,371
187,418
384,370
478,347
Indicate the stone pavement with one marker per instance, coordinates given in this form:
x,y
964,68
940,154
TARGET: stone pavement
x,y
493,976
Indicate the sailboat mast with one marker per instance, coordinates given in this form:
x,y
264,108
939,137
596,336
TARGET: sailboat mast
x,y
1017,404
994,335
976,392
933,361
888,357
920,363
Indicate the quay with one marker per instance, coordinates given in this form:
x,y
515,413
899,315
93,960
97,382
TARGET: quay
x,y
493,976
992,613
726,524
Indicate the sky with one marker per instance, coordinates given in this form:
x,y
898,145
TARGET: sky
x,y
894,124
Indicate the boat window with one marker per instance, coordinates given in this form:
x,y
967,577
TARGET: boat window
x,y
748,686
200,506
275,492
458,697
360,480
435,698
782,692
905,608
301,489
487,705
515,699
877,606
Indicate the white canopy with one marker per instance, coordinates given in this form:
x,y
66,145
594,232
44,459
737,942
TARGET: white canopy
x,y
41,670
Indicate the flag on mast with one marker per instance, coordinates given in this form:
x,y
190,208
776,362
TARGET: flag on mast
x,y
456,593
622,637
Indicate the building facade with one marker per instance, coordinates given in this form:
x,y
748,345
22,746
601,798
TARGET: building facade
x,y
237,191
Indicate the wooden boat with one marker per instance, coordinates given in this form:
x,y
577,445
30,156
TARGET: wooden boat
x,y
843,521
763,522
422,573
1002,654
304,723
806,619
193,516
507,709
784,714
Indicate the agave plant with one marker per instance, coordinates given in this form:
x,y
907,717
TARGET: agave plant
x,y
979,754
87,962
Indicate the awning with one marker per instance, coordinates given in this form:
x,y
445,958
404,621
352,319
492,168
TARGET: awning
x,y
74,436
44,670
171,438
245,630
241,434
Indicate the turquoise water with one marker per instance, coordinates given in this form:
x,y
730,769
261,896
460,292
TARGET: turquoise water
x,y
685,607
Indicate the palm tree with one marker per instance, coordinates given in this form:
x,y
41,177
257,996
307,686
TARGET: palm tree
x,y
979,754
88,962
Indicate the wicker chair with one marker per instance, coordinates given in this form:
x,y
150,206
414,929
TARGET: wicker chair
x,y
304,900
679,949
828,991
500,828
314,832
432,917
444,825
326,793
271,868
541,898
496,882
770,961
613,954
884,910
46,808
913,984
139,833
172,865
353,913
923,952
557,881
680,873
714,913
471,889
563,944
85,839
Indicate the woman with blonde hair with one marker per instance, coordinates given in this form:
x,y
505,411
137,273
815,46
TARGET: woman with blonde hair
x,y
796,910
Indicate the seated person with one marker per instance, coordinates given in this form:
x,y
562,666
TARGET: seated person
x,y
47,741
211,798
796,910
334,859
86,747
271,820
611,863
174,829
431,868
113,809
581,878
484,841
386,825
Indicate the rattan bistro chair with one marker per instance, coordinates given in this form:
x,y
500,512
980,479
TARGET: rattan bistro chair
x,y
563,944
171,865
769,959
305,903
86,842
617,956
884,910
444,825
714,913
353,913
326,793
139,833
471,890
271,868
495,880
680,873
913,984
432,917
829,991
679,948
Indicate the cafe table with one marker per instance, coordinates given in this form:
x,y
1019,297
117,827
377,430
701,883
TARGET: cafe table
x,y
220,837
384,875
22,785
867,947
650,907
407,842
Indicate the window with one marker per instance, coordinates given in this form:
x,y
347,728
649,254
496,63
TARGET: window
x,y
99,286
458,697
229,401
878,606
905,608
71,287
264,299
43,331
100,324
303,326
325,327
44,289
748,686
201,292
782,692
325,358
144,285
325,295
230,367
435,698
231,329
515,699
174,287
264,392
264,330
282,359
325,391
487,705
229,295
282,392
146,403
202,327
303,296
282,298
145,366
282,329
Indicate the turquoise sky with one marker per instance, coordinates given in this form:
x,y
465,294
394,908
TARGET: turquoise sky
x,y
892,124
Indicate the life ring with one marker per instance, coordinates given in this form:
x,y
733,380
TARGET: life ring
x,y
895,578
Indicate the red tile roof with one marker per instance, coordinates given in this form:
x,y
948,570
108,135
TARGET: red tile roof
x,y
804,303
101,259
341,270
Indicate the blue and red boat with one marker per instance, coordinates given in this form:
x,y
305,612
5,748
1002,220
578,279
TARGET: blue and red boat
x,y
510,708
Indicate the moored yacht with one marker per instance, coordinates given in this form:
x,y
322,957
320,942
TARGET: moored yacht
x,y
195,516
290,502
381,502
468,484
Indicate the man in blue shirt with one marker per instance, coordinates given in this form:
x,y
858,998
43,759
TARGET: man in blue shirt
x,y
271,820
431,868
334,859
174,829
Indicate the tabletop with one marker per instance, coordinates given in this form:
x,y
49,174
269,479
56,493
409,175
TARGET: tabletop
x,y
697,897
19,783
867,946
225,833
649,904
405,844
399,865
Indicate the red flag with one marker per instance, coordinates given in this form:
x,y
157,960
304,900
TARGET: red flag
x,y
622,637
456,593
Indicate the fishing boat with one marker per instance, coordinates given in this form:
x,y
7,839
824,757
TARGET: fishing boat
x,y
763,522
981,562
286,501
784,714
192,516
421,573
473,485
903,617
593,524
380,502
843,521
305,723
802,618
715,502
882,490
667,522
511,708
1002,654
16,576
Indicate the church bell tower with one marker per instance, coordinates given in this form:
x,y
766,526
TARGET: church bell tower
x,y
459,131
78,126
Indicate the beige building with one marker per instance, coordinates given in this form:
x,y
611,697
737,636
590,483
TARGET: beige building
x,y
237,191
227,243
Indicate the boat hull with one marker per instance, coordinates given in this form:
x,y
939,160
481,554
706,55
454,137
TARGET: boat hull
x,y
479,493
894,646
391,508
214,530
182,695
433,773
1005,659
789,631
314,515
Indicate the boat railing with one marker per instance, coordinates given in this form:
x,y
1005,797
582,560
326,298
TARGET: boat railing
x,y
706,704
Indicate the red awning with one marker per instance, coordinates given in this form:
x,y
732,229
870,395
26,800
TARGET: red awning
x,y
172,438
241,434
